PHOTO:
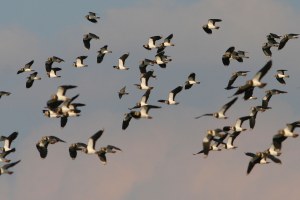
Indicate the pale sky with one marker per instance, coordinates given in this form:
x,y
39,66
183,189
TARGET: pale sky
x,y
157,161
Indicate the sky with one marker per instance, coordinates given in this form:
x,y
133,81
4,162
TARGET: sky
x,y
157,160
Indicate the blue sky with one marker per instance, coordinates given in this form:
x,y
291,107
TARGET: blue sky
x,y
157,160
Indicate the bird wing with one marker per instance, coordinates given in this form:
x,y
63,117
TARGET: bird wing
x,y
174,92
93,139
262,72
227,105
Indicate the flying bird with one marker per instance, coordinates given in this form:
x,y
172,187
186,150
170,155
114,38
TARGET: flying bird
x,y
161,59
92,17
286,38
79,62
26,68
107,149
167,43
88,148
260,158
4,93
8,140
172,95
231,54
101,53
3,154
151,42
256,80
122,92
210,135
233,77
4,168
42,144
221,113
87,39
267,97
191,81
281,75
121,65
143,100
211,25
31,78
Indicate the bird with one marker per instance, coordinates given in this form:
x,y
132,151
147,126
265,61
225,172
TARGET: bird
x,y
221,113
210,135
4,93
122,92
281,75
166,43
191,81
238,124
79,62
31,78
288,131
161,59
142,113
253,114
26,68
260,158
234,77
121,65
69,109
4,168
211,25
144,82
52,72
286,38
88,148
267,97
92,17
143,65
215,145
101,53
107,149
276,145
61,93
8,140
171,97
230,54
3,154
42,144
143,100
87,39
256,80
266,48
151,42
242,54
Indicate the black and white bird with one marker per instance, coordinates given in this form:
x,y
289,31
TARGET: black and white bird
x,y
256,80
221,113
142,113
286,38
233,77
101,53
210,136
8,140
92,17
260,158
280,76
151,42
161,59
122,92
267,97
88,148
31,78
211,25
4,93
104,150
3,154
26,68
79,62
4,168
191,81
42,144
288,131
253,114
229,55
87,39
121,65
60,95
143,100
171,97
53,71
143,65
166,43
50,61
276,145
266,48
144,81
214,144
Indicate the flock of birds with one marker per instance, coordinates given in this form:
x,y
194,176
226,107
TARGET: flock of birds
x,y
62,106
